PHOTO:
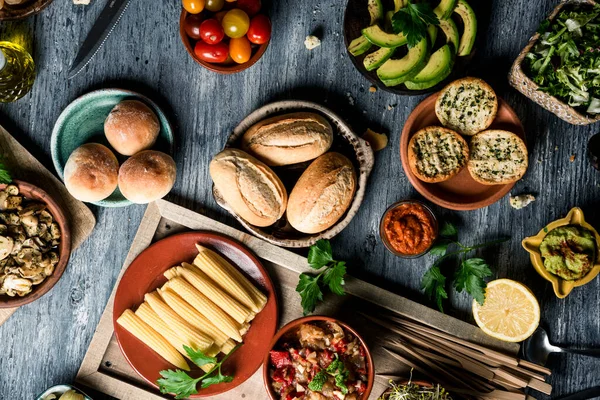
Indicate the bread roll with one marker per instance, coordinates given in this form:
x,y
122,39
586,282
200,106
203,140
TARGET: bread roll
x,y
497,157
147,176
131,127
288,139
91,172
322,194
249,187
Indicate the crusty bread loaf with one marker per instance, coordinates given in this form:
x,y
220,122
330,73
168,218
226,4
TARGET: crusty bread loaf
x,y
322,194
131,127
497,157
249,187
147,176
288,139
91,172
436,154
467,105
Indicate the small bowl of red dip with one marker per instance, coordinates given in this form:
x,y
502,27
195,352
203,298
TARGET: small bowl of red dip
x,y
408,228
318,358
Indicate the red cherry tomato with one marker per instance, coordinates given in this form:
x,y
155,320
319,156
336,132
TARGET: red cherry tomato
x,y
213,53
260,29
191,25
252,7
240,49
211,31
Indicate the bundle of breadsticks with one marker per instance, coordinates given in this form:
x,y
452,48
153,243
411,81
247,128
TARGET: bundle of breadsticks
x,y
206,306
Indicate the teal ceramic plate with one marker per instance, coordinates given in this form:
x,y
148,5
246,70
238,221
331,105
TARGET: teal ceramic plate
x,y
59,390
83,122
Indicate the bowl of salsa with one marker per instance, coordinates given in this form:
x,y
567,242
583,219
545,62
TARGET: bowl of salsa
x,y
318,357
408,228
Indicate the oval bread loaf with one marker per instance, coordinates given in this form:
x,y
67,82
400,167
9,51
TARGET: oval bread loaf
x,y
497,157
436,154
288,139
322,194
249,187
467,105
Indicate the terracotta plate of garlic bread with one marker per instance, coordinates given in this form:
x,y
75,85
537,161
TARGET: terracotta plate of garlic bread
x,y
201,290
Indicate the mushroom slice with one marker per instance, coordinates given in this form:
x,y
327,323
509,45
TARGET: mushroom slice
x,y
6,246
3,229
12,190
55,230
3,197
41,245
31,225
12,202
13,219
48,270
32,209
31,273
45,217
28,256
53,258
14,285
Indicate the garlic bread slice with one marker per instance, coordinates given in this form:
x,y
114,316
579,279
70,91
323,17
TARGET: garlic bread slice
x,y
436,154
467,105
497,157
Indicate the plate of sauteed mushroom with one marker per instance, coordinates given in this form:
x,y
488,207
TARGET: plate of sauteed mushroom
x,y
35,243
17,9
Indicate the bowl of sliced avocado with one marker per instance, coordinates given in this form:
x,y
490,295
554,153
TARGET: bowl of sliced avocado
x,y
410,47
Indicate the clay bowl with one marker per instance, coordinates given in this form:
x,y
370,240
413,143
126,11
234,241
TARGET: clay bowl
x,y
34,193
345,141
145,274
294,325
24,10
257,52
461,192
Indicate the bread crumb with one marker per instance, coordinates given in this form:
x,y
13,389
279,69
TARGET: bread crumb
x,y
378,141
372,89
312,42
572,158
521,201
555,148
81,2
350,98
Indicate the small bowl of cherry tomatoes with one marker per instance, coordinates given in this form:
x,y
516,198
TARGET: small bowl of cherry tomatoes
x,y
225,36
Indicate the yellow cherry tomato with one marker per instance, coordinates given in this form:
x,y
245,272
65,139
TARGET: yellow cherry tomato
x,y
236,23
240,49
214,5
194,6
230,1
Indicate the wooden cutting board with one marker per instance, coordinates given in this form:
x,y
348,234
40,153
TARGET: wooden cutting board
x,y
26,167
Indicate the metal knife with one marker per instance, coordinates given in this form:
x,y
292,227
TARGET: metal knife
x,y
592,393
103,27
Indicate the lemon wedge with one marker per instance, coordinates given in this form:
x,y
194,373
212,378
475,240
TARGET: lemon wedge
x,y
510,312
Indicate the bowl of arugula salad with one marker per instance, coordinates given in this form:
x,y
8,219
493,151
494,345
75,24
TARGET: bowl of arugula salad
x,y
560,67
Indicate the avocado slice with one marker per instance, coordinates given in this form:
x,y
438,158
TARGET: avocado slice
x,y
433,32
377,58
375,10
398,4
467,40
359,46
451,32
437,69
444,9
378,37
395,72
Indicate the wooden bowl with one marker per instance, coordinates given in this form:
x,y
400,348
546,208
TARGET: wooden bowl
x,y
145,274
460,192
295,324
356,18
561,287
257,53
345,141
30,7
64,250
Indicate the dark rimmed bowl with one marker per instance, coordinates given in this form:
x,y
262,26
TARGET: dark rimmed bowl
x,y
233,68
34,193
295,324
25,10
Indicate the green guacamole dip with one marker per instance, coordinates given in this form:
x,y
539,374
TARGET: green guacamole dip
x,y
569,252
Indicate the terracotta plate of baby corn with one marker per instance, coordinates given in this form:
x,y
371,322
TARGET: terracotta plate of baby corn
x,y
200,290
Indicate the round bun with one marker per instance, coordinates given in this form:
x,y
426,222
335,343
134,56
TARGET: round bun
x,y
147,176
131,127
91,172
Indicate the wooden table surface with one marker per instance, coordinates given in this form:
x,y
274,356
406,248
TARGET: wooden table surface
x,y
44,342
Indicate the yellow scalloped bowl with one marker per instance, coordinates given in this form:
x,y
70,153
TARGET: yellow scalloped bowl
x,y
561,287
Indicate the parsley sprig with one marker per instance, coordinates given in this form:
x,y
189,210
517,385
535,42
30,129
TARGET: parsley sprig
x,y
311,287
412,21
471,274
183,385
5,176
338,370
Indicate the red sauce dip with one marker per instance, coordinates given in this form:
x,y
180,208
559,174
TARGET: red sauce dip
x,y
409,229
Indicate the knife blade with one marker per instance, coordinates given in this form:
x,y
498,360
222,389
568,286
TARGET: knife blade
x,y
103,27
583,395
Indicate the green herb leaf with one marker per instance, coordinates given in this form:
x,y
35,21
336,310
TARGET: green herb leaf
x,y
320,254
198,357
412,21
434,283
310,292
218,378
470,277
439,248
316,385
5,176
544,26
335,366
340,381
334,278
178,382
449,231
